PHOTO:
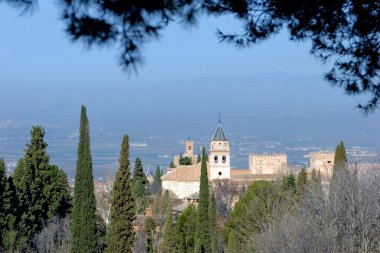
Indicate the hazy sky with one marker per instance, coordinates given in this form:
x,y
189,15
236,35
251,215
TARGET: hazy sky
x,y
188,76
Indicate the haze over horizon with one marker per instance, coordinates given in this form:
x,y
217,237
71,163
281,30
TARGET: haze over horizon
x,y
271,91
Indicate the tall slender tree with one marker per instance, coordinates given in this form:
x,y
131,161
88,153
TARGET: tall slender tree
x,y
213,223
11,216
169,238
3,183
149,230
120,235
202,234
340,158
156,185
83,225
139,187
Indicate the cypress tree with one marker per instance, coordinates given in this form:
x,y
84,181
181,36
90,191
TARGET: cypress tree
x,y
139,187
156,186
340,158
213,223
202,234
166,201
171,165
169,238
149,230
140,181
301,180
11,216
3,183
185,230
120,235
199,158
32,179
59,199
83,224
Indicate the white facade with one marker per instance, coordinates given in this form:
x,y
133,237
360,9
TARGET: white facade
x,y
181,189
219,156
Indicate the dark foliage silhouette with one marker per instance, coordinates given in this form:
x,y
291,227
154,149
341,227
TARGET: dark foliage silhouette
x,y
345,32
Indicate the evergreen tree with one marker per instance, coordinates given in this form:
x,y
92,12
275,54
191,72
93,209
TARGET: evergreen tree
x,y
185,230
149,230
199,158
202,234
171,165
156,186
120,235
3,184
301,180
169,238
10,216
340,158
140,181
180,159
213,224
139,187
165,201
289,183
59,199
33,180
83,224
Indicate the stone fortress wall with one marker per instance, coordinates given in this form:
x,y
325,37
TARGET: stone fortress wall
x,y
323,162
268,163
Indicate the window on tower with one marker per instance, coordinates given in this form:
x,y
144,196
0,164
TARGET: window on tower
x,y
189,148
224,159
216,159
220,173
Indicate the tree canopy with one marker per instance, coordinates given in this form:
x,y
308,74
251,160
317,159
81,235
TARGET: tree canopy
x,y
345,32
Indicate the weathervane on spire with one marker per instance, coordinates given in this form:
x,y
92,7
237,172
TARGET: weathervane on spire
x,y
219,118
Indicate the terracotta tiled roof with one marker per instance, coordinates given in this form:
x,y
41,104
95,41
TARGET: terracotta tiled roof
x,y
189,173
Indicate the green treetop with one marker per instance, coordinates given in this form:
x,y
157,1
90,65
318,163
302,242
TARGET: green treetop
x,y
139,187
40,190
83,224
120,234
301,180
156,186
185,230
202,234
289,183
340,158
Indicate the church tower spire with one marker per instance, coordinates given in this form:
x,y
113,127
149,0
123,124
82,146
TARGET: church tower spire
x,y
219,155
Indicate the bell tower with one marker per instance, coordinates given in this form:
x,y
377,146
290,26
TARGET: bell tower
x,y
219,155
189,148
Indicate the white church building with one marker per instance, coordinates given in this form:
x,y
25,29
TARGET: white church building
x,y
184,180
